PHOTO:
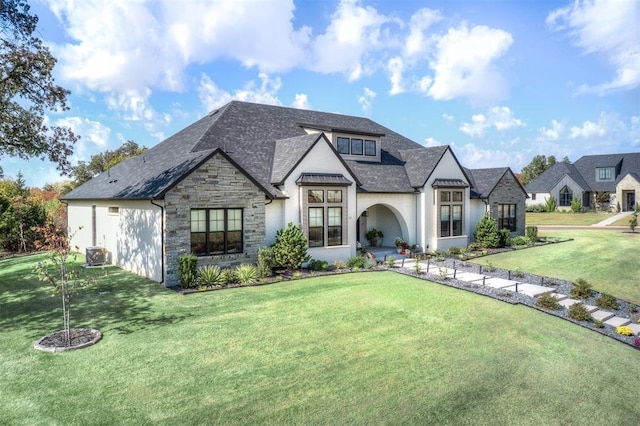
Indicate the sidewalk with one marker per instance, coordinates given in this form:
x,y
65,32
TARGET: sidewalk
x,y
613,218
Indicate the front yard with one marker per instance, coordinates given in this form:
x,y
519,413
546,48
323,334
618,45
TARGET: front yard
x,y
362,348
565,218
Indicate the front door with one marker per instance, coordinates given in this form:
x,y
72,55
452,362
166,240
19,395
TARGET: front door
x,y
631,200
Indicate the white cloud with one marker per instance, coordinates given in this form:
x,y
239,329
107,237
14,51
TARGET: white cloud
x,y
301,101
500,118
212,97
395,67
607,27
417,42
478,157
366,100
587,130
553,133
94,136
429,142
448,117
463,64
354,31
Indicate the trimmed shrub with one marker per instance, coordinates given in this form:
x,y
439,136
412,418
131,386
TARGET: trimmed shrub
x,y
487,232
578,312
265,262
188,270
531,232
519,241
576,205
390,261
210,276
598,324
547,301
581,289
356,262
247,274
229,276
606,301
318,265
290,248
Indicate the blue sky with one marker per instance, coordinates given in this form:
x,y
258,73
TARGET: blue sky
x,y
499,81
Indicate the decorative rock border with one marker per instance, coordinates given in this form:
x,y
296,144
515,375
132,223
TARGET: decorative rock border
x,y
80,338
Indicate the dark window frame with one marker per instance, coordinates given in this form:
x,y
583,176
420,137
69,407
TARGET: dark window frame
x,y
565,196
453,225
507,216
231,242
370,148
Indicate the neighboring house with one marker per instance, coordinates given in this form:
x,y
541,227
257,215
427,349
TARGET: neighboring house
x,y
222,187
617,175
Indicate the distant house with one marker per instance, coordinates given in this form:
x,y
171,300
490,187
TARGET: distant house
x,y
222,187
617,175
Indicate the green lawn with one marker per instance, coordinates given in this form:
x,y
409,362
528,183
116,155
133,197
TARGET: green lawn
x,y
565,218
364,348
606,259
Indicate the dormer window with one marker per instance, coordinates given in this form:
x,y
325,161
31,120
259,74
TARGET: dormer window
x,y
358,148
604,173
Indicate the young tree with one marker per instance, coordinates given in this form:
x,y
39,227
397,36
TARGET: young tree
x,y
28,90
536,167
487,232
633,222
290,248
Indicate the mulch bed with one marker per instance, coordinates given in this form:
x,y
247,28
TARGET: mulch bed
x,y
57,342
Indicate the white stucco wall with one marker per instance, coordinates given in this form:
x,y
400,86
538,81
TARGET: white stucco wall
x,y
380,206
477,209
133,237
541,198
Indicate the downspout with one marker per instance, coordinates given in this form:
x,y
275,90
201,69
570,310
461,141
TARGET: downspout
x,y
161,239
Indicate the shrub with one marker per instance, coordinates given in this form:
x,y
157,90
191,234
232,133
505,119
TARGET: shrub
x,y
548,301
453,251
390,261
624,330
188,270
536,208
439,254
576,205
247,273
598,324
474,246
487,232
339,264
417,267
357,262
296,275
579,312
550,204
210,276
606,301
581,289
518,241
265,262
518,273
369,263
290,248
318,265
633,222
229,276
531,232
503,237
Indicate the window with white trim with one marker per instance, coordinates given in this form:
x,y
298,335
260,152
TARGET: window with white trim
x,y
450,215
325,220
216,231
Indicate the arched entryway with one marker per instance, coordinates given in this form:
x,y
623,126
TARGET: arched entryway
x,y
385,218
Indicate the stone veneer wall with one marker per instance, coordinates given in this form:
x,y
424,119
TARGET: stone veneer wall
x,y
508,191
215,184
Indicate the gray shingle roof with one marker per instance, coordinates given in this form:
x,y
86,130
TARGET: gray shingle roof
x,y
584,170
265,142
484,181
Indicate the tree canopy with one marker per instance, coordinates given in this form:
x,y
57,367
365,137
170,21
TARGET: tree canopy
x,y
28,90
536,167
105,160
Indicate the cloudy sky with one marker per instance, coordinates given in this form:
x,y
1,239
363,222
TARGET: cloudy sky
x,y
499,81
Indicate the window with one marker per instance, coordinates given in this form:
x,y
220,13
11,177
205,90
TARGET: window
x,y
216,231
604,174
370,147
114,210
533,196
356,146
450,213
343,145
565,196
324,217
507,216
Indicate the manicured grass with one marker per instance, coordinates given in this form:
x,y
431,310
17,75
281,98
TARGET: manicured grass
x,y
607,259
363,348
624,222
565,218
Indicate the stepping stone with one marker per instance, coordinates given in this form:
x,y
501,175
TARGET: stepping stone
x,y
531,290
635,327
567,303
496,282
602,315
559,296
469,277
617,321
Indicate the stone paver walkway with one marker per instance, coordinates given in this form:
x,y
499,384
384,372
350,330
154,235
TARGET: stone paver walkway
x,y
532,290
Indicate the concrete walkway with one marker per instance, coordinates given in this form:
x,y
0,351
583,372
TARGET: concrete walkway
x,y
613,218
519,286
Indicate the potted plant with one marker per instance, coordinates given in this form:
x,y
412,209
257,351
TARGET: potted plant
x,y
399,241
375,237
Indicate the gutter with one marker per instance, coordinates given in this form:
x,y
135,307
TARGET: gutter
x,y
161,238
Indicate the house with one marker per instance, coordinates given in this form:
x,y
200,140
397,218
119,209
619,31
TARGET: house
x,y
615,175
222,187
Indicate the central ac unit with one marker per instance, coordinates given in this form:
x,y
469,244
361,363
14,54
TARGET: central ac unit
x,y
96,256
